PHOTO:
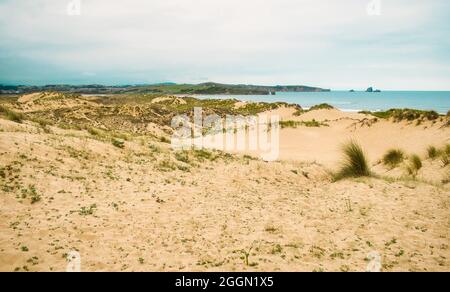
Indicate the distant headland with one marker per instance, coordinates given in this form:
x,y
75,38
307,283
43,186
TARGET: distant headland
x,y
164,88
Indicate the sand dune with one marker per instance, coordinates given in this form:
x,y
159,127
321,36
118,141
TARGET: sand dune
x,y
144,207
323,144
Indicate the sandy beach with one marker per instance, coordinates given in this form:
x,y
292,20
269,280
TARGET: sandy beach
x,y
85,175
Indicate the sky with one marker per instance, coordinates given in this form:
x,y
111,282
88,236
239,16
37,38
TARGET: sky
x,y
337,44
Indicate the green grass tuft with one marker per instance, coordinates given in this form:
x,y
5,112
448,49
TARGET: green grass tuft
x,y
118,143
164,140
393,157
355,162
447,149
445,155
445,159
433,152
321,106
11,115
415,164
296,124
203,155
182,156
405,114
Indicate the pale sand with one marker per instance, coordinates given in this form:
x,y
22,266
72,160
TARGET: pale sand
x,y
323,145
290,212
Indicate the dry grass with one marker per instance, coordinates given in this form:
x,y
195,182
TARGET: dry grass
x,y
393,158
415,164
433,152
355,162
11,115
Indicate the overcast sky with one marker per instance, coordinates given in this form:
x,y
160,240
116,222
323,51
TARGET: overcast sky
x,y
329,43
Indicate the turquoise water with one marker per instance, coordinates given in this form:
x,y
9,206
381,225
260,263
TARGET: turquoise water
x,y
357,101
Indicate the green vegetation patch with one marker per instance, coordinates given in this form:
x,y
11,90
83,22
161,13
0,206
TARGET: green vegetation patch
x,y
415,164
433,152
296,124
393,157
355,163
11,115
321,106
85,211
399,115
301,111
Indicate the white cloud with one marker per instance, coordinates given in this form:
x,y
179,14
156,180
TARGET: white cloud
x,y
270,41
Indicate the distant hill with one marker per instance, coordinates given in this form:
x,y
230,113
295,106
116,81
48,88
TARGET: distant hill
x,y
164,88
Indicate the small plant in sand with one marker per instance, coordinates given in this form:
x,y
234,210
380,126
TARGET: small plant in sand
x,y
118,143
447,149
84,211
415,164
203,155
121,136
432,152
445,159
393,157
445,155
43,123
34,196
182,156
154,148
348,205
11,115
355,162
31,193
94,131
166,166
246,256
164,140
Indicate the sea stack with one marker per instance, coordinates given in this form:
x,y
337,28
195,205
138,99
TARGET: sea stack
x,y
370,89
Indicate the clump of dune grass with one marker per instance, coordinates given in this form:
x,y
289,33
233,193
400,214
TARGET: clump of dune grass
x,y
432,152
11,115
300,111
445,159
154,148
406,114
355,162
415,164
166,166
43,123
445,150
182,156
203,155
393,157
295,124
94,131
321,106
445,155
164,140
118,143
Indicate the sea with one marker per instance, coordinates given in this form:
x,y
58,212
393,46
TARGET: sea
x,y
438,101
